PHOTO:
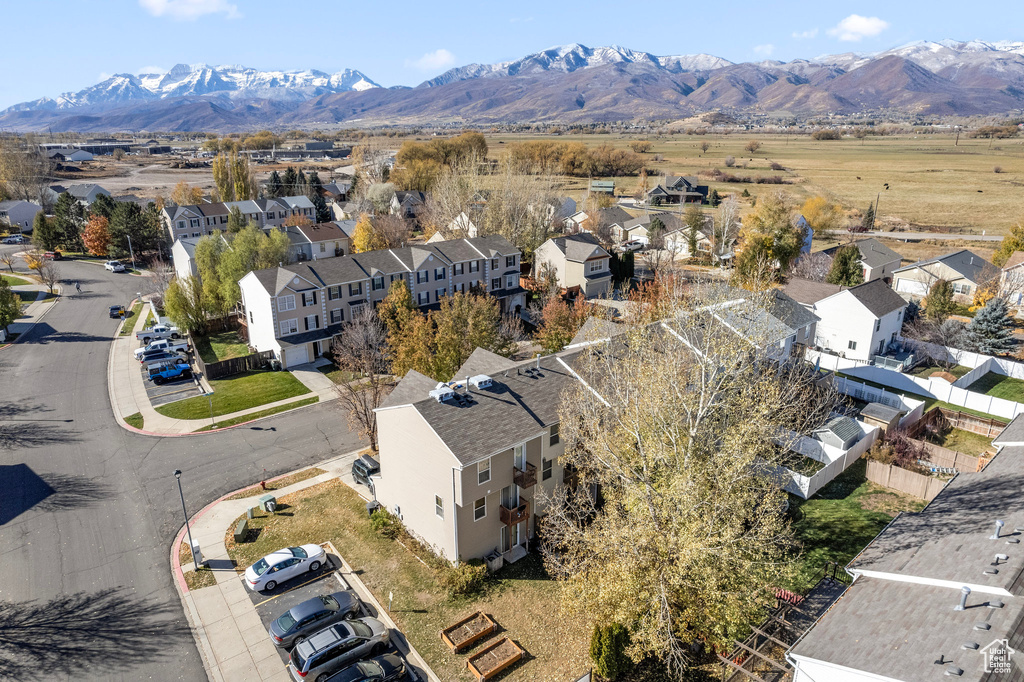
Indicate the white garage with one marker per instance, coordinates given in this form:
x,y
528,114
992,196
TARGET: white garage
x,y
296,355
912,287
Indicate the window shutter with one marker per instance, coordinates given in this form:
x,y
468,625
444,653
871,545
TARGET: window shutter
x,y
317,320
306,320
314,298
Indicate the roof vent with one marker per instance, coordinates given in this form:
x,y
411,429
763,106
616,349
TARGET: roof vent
x,y
964,592
442,393
1013,541
995,604
969,645
953,671
982,626
1000,558
999,526
991,571
480,381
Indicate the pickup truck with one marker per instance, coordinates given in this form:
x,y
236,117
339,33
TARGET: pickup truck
x,y
159,357
161,373
161,331
167,345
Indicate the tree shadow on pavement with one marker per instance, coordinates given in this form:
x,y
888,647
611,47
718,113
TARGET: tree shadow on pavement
x,y
32,434
43,333
48,492
102,631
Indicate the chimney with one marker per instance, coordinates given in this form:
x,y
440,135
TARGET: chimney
x,y
999,526
964,592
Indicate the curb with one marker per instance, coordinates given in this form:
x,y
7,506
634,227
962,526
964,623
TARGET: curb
x,y
34,322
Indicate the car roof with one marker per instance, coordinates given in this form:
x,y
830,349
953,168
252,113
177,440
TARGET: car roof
x,y
308,608
323,639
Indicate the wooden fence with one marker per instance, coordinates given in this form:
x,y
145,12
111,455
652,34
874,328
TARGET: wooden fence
x,y
226,368
990,428
903,480
938,455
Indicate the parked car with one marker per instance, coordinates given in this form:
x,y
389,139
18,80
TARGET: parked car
x,y
312,615
165,345
364,467
151,357
114,266
52,255
14,239
159,374
626,247
380,669
118,311
336,646
282,565
160,331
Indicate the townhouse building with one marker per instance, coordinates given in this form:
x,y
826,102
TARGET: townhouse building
x,y
579,264
295,310
197,220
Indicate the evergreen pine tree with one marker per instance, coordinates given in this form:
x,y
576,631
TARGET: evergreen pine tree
x,y
68,219
44,234
315,193
289,182
714,198
939,304
300,184
846,270
991,330
869,218
274,185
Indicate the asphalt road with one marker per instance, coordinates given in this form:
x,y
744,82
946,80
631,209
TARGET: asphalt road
x,y
88,510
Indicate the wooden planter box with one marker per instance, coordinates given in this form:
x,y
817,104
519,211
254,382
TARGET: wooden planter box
x,y
495,658
468,631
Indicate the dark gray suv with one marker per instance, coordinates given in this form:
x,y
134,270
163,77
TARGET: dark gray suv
x,y
312,615
363,468
335,647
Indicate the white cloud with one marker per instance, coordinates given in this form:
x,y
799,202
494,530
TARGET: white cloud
x,y
805,35
188,10
765,49
855,27
433,61
152,69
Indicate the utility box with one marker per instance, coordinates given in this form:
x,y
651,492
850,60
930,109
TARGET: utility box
x,y
197,553
268,503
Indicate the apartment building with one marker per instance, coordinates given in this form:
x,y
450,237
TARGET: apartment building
x,y
463,464
294,310
200,219
579,263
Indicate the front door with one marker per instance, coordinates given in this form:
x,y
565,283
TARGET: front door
x,y
881,346
509,534
316,349
519,458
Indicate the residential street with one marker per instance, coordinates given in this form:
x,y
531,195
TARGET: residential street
x,y
90,509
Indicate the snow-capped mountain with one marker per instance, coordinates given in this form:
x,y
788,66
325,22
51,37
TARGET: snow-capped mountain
x,y
235,82
569,58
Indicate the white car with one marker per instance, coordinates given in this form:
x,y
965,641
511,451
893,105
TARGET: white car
x,y
114,266
14,239
282,565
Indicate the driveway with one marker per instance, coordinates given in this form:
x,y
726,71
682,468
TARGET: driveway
x,y
91,509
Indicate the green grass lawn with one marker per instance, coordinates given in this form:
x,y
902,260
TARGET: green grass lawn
x,y
129,319
967,442
838,522
926,371
135,420
521,598
337,375
258,415
929,403
999,386
222,346
15,281
239,392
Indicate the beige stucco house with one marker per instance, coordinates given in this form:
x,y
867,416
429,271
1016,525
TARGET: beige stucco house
x,y
965,270
578,261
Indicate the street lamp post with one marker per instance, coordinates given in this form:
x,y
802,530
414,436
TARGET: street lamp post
x,y
191,547
131,251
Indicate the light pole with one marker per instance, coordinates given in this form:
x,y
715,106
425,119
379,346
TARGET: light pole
x,y
191,547
131,251
209,397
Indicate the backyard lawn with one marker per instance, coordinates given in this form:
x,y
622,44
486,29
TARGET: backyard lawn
x,y
926,371
520,598
235,393
999,386
967,442
221,346
838,522
337,375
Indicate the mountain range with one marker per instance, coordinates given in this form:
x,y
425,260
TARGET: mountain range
x,y
567,84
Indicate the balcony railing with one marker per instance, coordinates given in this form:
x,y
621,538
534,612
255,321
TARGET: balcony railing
x,y
525,478
515,515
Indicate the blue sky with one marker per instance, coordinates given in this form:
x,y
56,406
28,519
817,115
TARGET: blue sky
x,y
75,44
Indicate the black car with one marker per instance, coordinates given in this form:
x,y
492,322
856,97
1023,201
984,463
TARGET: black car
x,y
311,616
381,669
363,468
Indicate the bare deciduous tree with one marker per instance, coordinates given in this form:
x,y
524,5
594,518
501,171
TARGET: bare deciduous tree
x,y
49,274
25,172
7,258
512,207
726,228
360,349
372,156
394,229
813,266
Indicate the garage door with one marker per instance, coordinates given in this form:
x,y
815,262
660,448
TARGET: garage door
x,y
296,355
909,286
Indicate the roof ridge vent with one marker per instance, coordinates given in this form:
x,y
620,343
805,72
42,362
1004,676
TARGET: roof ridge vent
x,y
964,593
999,526
953,671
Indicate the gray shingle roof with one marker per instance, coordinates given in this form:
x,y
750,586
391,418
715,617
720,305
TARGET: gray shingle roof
x,y
969,265
880,411
790,311
808,291
878,298
579,247
410,389
1013,433
873,253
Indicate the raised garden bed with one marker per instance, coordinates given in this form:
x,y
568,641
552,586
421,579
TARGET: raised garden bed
x,y
468,631
495,658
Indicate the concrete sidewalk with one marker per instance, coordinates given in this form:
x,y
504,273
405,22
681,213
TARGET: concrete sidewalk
x,y
230,634
128,396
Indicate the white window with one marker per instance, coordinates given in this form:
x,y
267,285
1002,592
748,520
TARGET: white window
x,y
483,472
323,247
286,303
333,293
423,297
312,322
595,266
355,310
961,288
441,293
355,289
422,276
459,286
480,509
510,261
510,281
378,283
545,469
495,283
337,315
555,437
852,345
289,327
494,263
438,273
459,268
474,266
308,298
439,506
181,224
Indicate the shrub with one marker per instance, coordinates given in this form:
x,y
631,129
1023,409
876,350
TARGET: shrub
x,y
997,169
463,580
386,524
730,161
826,135
608,650
776,166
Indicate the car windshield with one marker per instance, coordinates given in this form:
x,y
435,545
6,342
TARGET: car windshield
x,y
369,668
298,551
330,602
260,567
286,621
359,628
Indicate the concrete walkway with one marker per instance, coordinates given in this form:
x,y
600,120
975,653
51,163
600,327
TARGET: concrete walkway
x,y
230,634
128,396
315,380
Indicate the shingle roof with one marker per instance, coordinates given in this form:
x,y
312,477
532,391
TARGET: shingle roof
x,y
969,265
790,311
1013,433
1015,259
878,298
880,411
410,389
875,254
323,231
808,291
843,427
613,214
578,248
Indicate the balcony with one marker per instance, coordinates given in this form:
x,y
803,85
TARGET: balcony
x,y
527,478
515,515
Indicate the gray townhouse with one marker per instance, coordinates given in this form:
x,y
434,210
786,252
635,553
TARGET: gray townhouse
x,y
295,310
197,220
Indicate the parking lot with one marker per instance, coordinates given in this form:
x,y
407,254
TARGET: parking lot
x,y
271,605
170,391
